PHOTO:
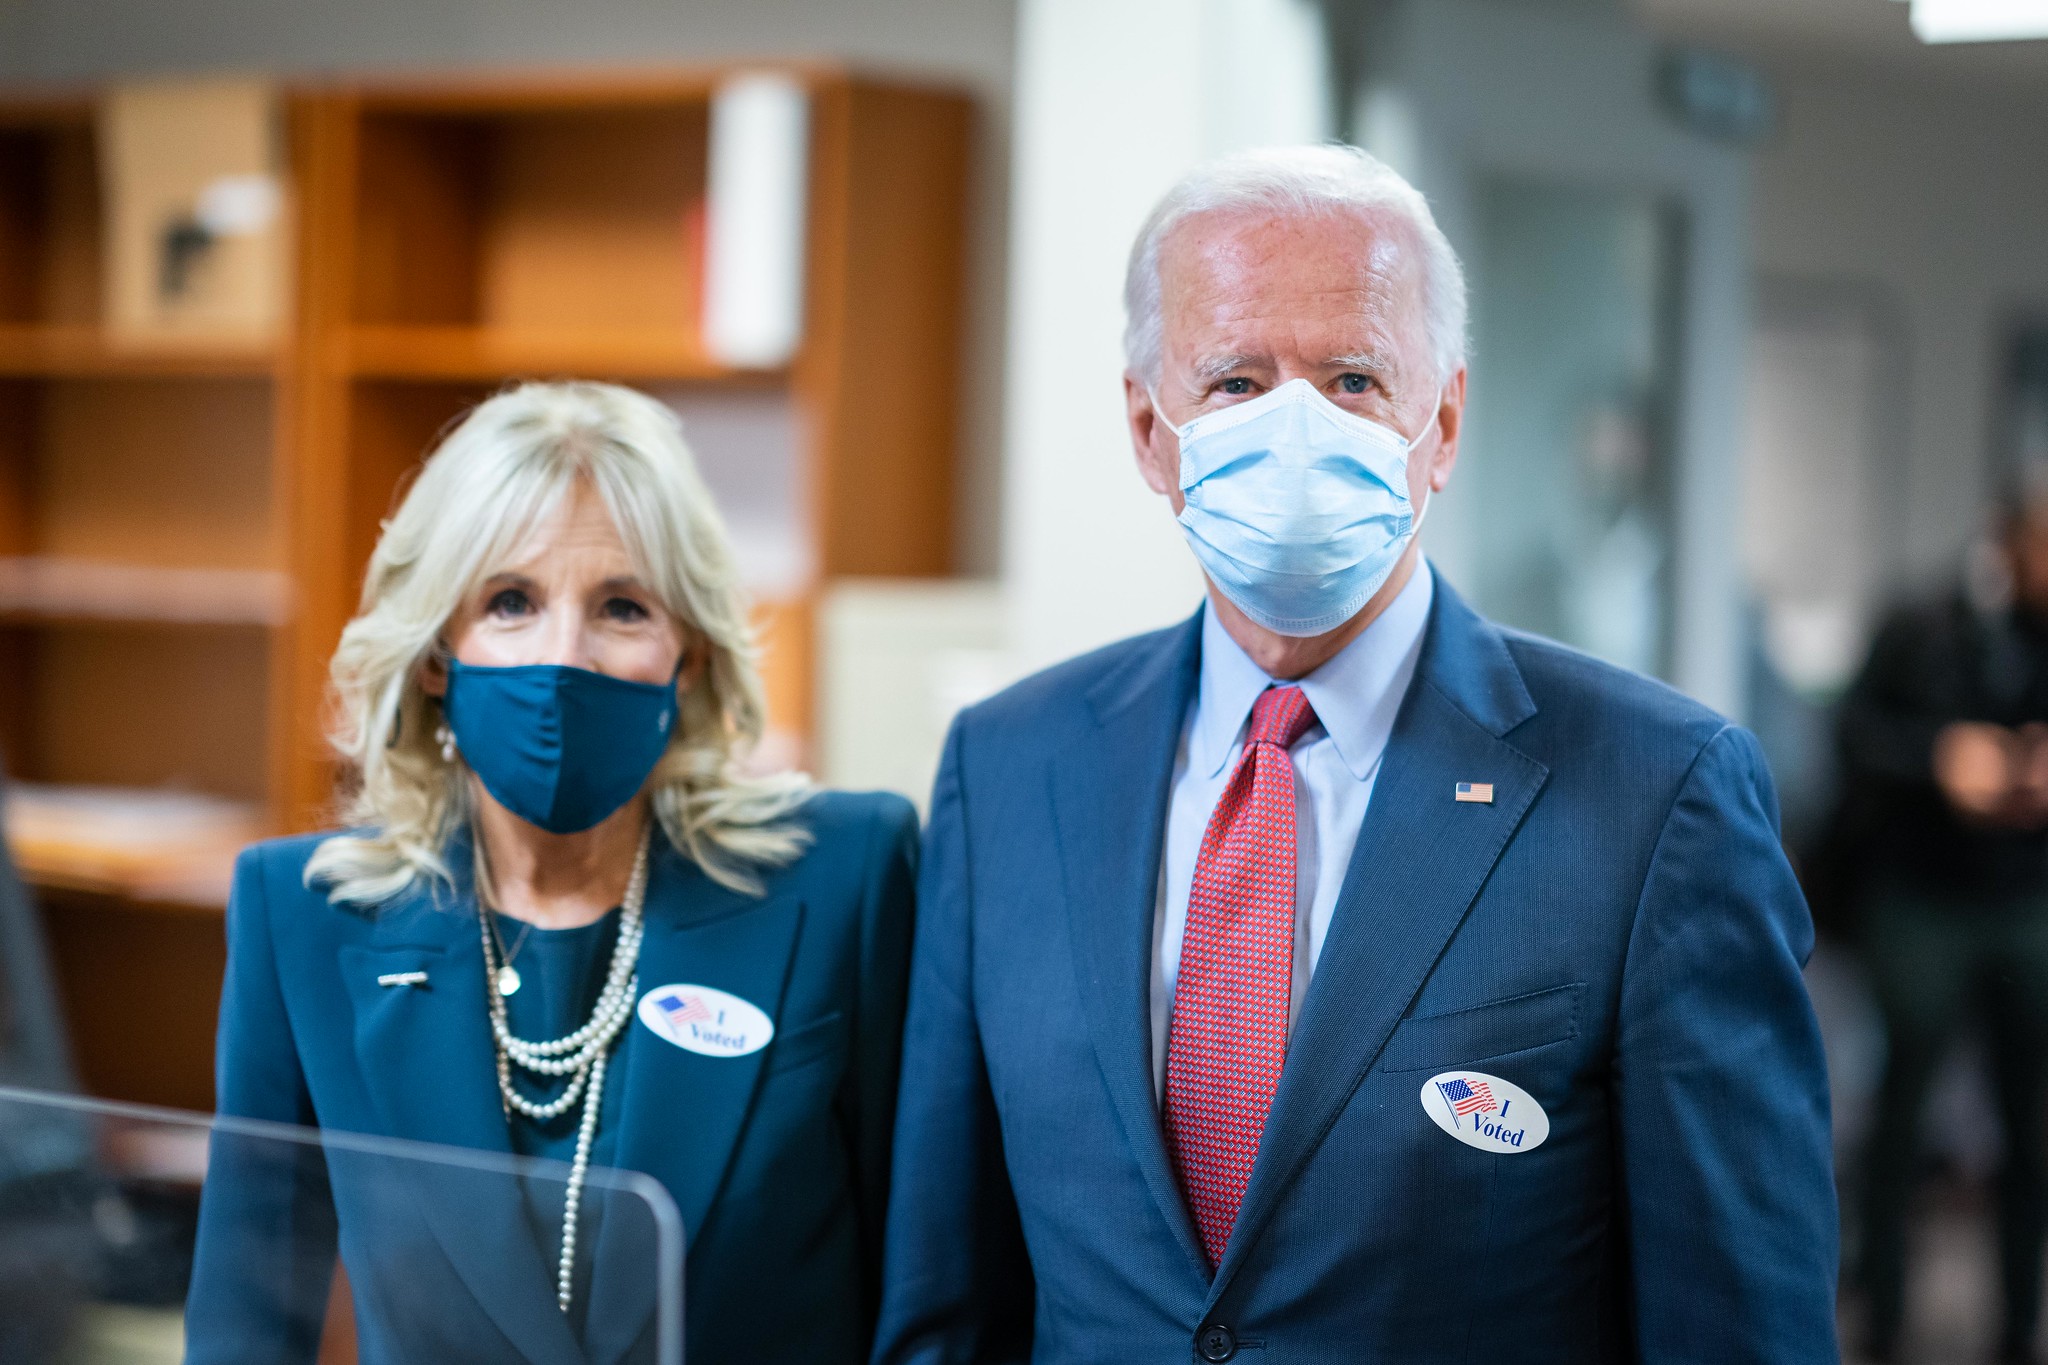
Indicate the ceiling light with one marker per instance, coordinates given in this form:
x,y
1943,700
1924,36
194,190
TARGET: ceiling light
x,y
1979,21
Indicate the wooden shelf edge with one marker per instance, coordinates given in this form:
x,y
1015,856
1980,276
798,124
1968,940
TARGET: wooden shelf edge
x,y
185,898
475,353
150,849
45,105
554,88
78,352
59,590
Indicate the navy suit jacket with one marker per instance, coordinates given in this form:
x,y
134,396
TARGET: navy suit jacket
x,y
778,1160
1617,933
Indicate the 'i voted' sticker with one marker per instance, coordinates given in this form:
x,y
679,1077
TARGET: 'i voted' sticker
x,y
706,1020
1485,1111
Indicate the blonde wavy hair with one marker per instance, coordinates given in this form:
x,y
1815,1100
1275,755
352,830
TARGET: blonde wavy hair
x,y
493,480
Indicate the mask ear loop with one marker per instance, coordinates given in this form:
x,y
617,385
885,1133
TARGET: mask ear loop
x,y
1159,414
675,696
1428,494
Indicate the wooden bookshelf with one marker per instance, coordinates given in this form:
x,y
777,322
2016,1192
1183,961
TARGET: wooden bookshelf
x,y
184,524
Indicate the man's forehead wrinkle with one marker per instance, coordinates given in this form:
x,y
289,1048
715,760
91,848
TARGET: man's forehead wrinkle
x,y
1397,271
1221,287
1239,293
1227,308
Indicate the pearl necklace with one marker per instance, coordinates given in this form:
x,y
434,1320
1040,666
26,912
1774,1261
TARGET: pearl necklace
x,y
581,1055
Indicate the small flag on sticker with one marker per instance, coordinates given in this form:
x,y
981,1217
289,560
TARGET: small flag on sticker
x,y
1482,792
683,1009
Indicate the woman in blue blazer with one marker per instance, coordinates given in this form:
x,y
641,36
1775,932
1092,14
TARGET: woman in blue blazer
x,y
564,923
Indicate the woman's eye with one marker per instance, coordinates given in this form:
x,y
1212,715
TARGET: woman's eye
x,y
508,602
1353,383
624,609
1236,387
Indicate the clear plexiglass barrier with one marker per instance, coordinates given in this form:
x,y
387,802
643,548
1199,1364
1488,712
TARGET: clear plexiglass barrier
x,y
131,1235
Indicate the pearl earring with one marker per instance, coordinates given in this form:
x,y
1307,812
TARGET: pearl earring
x,y
447,738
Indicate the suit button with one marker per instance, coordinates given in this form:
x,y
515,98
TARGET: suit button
x,y
1216,1343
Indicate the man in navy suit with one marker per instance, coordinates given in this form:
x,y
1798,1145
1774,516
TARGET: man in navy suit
x,y
1337,976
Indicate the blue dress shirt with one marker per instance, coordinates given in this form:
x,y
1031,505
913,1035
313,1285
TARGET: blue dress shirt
x,y
1355,695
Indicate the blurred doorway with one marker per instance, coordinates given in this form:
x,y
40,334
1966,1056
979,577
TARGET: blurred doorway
x,y
1822,456
1576,311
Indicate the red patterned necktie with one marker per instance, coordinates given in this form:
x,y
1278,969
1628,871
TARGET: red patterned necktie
x,y
1228,1037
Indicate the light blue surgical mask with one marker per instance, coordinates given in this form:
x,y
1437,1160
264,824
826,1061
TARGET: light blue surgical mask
x,y
1297,509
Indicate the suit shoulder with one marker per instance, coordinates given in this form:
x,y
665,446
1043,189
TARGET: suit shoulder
x,y
1056,690
270,888
283,860
862,853
839,818
1570,686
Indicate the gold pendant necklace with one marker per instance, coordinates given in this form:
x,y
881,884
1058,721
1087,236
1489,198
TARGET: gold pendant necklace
x,y
508,975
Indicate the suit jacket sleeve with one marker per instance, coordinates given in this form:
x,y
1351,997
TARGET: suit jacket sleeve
x,y
1722,1098
957,1283
265,1252
868,1097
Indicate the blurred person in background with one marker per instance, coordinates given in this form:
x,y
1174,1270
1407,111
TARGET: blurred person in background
x,y
1944,743
1336,976
565,923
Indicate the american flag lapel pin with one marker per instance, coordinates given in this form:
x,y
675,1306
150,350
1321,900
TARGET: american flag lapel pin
x,y
1480,793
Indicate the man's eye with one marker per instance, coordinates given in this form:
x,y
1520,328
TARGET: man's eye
x,y
1236,387
1353,383
508,602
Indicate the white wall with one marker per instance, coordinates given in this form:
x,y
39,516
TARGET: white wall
x,y
1114,100
1933,199
970,42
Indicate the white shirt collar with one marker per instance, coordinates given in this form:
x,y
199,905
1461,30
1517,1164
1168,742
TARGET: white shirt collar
x,y
1356,693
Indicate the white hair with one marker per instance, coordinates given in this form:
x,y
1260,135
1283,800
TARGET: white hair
x,y
495,478
1305,181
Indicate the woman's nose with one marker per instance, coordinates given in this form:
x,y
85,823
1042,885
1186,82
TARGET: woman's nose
x,y
567,642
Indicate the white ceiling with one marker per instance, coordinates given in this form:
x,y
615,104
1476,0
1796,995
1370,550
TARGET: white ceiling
x,y
1862,31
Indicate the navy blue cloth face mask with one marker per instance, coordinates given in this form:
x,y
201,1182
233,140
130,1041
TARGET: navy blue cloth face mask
x,y
559,747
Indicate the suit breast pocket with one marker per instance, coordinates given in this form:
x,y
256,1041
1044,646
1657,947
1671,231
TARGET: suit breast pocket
x,y
1479,1033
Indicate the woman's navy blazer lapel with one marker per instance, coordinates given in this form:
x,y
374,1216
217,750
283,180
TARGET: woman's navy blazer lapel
x,y
430,1067
682,1113
431,1072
